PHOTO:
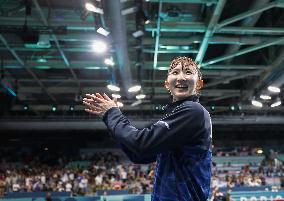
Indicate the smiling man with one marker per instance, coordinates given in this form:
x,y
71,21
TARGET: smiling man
x,y
180,142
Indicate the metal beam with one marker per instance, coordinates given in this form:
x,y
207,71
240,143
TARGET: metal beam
x,y
201,28
250,22
13,52
157,35
251,12
244,51
268,77
227,80
148,65
210,30
57,45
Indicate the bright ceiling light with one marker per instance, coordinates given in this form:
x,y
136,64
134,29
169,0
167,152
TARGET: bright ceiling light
x,y
113,87
256,103
92,8
116,95
259,151
109,61
134,88
275,104
99,46
140,96
273,89
265,97
138,33
102,31
119,104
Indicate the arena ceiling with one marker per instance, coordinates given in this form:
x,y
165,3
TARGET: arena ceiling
x,y
47,59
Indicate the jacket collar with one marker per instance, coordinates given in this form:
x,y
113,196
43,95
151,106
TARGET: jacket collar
x,y
193,98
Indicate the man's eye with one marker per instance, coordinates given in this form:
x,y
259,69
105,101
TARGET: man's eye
x,y
174,72
188,72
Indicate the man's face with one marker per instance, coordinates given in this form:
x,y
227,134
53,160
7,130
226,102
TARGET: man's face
x,y
182,82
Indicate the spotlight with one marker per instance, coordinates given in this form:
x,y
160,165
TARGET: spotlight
x,y
109,61
53,108
26,107
256,103
99,46
92,8
265,97
273,89
113,87
212,107
102,31
259,151
129,10
134,88
276,103
43,41
116,95
71,108
140,96
143,17
137,34
232,108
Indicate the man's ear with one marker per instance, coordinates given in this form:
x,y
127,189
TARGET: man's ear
x,y
199,84
167,85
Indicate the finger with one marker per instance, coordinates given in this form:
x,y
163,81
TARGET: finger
x,y
89,100
99,95
106,97
95,98
92,112
94,105
92,96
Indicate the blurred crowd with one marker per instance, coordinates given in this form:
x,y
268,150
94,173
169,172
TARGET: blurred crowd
x,y
45,171
104,172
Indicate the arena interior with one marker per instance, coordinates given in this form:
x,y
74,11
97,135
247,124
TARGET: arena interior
x,y
54,52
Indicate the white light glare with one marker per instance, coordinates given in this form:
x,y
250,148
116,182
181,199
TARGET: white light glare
x,y
259,151
109,61
140,96
102,31
113,87
138,33
92,8
116,95
134,88
119,104
265,97
277,103
99,46
256,103
273,89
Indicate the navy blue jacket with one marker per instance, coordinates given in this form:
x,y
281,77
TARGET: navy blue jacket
x,y
181,144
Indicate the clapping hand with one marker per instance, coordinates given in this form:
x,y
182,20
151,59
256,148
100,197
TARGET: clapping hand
x,y
98,104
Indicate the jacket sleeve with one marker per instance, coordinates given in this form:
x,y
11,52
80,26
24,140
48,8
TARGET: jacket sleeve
x,y
141,159
174,130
